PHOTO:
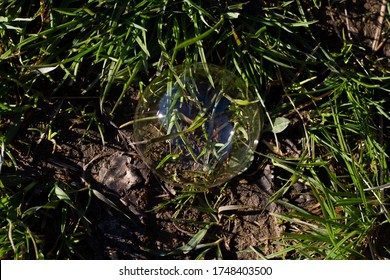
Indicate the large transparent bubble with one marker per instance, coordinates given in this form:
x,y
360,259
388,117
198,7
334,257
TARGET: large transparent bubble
x,y
197,125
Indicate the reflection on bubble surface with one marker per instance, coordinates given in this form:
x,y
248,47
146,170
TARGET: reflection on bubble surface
x,y
197,125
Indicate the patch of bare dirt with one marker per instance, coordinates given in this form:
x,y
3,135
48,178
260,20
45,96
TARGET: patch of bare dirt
x,y
129,221
362,23
127,181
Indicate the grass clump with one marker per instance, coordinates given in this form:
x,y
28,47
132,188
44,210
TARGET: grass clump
x,y
73,56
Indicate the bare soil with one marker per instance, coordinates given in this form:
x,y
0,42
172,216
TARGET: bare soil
x,y
138,228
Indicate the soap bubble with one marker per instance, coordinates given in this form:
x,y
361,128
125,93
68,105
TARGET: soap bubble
x,y
197,125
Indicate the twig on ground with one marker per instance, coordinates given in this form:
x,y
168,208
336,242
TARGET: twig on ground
x,y
376,45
